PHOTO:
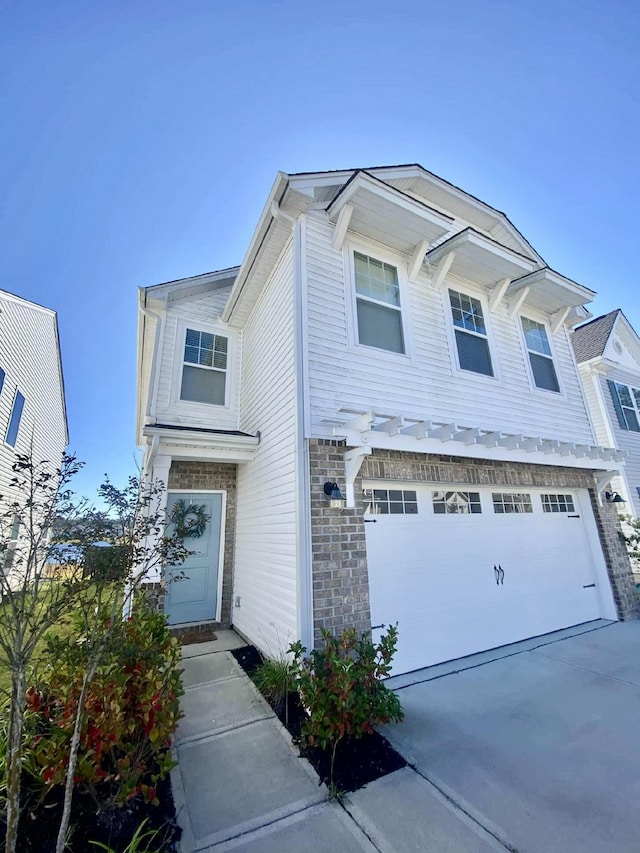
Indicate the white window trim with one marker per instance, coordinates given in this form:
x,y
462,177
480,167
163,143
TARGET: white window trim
x,y
20,422
530,315
468,290
179,362
378,253
636,406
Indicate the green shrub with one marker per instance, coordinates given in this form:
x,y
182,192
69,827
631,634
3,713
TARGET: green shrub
x,y
341,688
275,679
131,711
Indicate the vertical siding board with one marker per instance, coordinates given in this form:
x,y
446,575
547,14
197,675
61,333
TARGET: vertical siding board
x,y
426,385
265,557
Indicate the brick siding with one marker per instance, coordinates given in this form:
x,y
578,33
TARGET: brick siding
x,y
339,556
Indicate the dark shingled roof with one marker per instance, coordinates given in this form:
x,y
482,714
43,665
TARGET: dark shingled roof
x,y
590,339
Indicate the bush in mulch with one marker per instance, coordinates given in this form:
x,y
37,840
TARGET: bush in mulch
x,y
358,760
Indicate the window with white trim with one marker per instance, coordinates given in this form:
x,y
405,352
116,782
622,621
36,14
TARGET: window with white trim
x,y
540,358
626,400
14,421
378,304
470,330
2,375
460,503
505,503
204,371
557,503
391,501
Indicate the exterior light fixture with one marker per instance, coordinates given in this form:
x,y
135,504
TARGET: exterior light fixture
x,y
613,498
331,490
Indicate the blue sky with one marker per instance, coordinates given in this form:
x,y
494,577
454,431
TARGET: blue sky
x,y
140,139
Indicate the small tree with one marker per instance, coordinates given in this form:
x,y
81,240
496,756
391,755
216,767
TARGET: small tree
x,y
631,534
31,601
134,524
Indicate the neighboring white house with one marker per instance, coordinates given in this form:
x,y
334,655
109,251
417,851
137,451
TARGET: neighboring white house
x,y
390,334
33,419
608,355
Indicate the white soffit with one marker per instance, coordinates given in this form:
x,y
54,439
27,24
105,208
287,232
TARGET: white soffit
x,y
550,292
479,259
388,216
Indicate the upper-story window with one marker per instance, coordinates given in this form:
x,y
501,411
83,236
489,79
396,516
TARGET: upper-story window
x,y
471,333
204,372
626,401
2,375
540,358
378,304
14,421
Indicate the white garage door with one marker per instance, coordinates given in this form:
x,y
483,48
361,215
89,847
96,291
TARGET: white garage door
x,y
465,570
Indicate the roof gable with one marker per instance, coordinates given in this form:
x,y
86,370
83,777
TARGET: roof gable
x,y
590,340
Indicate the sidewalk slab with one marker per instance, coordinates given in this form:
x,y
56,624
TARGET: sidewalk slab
x,y
233,779
402,812
216,707
319,829
208,668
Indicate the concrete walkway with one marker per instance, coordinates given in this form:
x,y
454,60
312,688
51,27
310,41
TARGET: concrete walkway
x,y
240,784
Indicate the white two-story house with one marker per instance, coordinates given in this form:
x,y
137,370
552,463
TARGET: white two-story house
x,y
377,418
608,355
33,419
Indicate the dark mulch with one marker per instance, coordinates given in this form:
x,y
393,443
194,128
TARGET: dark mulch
x,y
115,826
358,760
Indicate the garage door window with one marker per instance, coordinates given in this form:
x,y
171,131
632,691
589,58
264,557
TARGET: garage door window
x,y
462,503
557,503
391,501
506,503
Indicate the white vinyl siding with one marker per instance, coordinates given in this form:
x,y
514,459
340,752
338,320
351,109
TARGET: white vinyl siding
x,y
30,361
199,314
265,572
426,384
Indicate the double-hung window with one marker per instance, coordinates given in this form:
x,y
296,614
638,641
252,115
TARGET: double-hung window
x,y
204,369
378,304
626,401
14,421
540,358
471,333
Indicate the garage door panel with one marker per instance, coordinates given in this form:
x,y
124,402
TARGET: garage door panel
x,y
434,575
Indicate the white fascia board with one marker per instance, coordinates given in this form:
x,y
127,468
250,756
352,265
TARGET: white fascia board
x,y
276,195
566,292
469,236
189,444
364,180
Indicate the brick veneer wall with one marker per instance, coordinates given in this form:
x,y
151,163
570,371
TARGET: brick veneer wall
x,y
200,476
340,577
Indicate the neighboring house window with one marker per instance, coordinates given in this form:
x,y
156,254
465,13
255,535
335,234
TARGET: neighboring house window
x,y
557,503
2,375
462,503
471,333
204,372
14,420
511,503
392,501
626,401
378,304
540,358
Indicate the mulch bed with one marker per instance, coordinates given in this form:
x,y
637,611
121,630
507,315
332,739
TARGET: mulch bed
x,y
358,760
113,826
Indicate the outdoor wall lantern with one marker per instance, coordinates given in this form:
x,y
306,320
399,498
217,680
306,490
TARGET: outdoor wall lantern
x,y
331,490
613,498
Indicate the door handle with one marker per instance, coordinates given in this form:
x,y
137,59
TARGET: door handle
x,y
496,573
371,521
501,574
588,585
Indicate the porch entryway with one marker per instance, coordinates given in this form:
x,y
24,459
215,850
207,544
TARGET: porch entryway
x,y
194,589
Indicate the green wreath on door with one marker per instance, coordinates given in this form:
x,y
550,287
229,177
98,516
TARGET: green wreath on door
x,y
189,520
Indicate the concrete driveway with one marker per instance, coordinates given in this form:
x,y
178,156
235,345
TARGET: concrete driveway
x,y
540,745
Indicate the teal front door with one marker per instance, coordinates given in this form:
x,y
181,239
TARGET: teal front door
x,y
192,588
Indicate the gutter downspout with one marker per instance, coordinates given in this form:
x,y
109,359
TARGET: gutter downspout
x,y
304,582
